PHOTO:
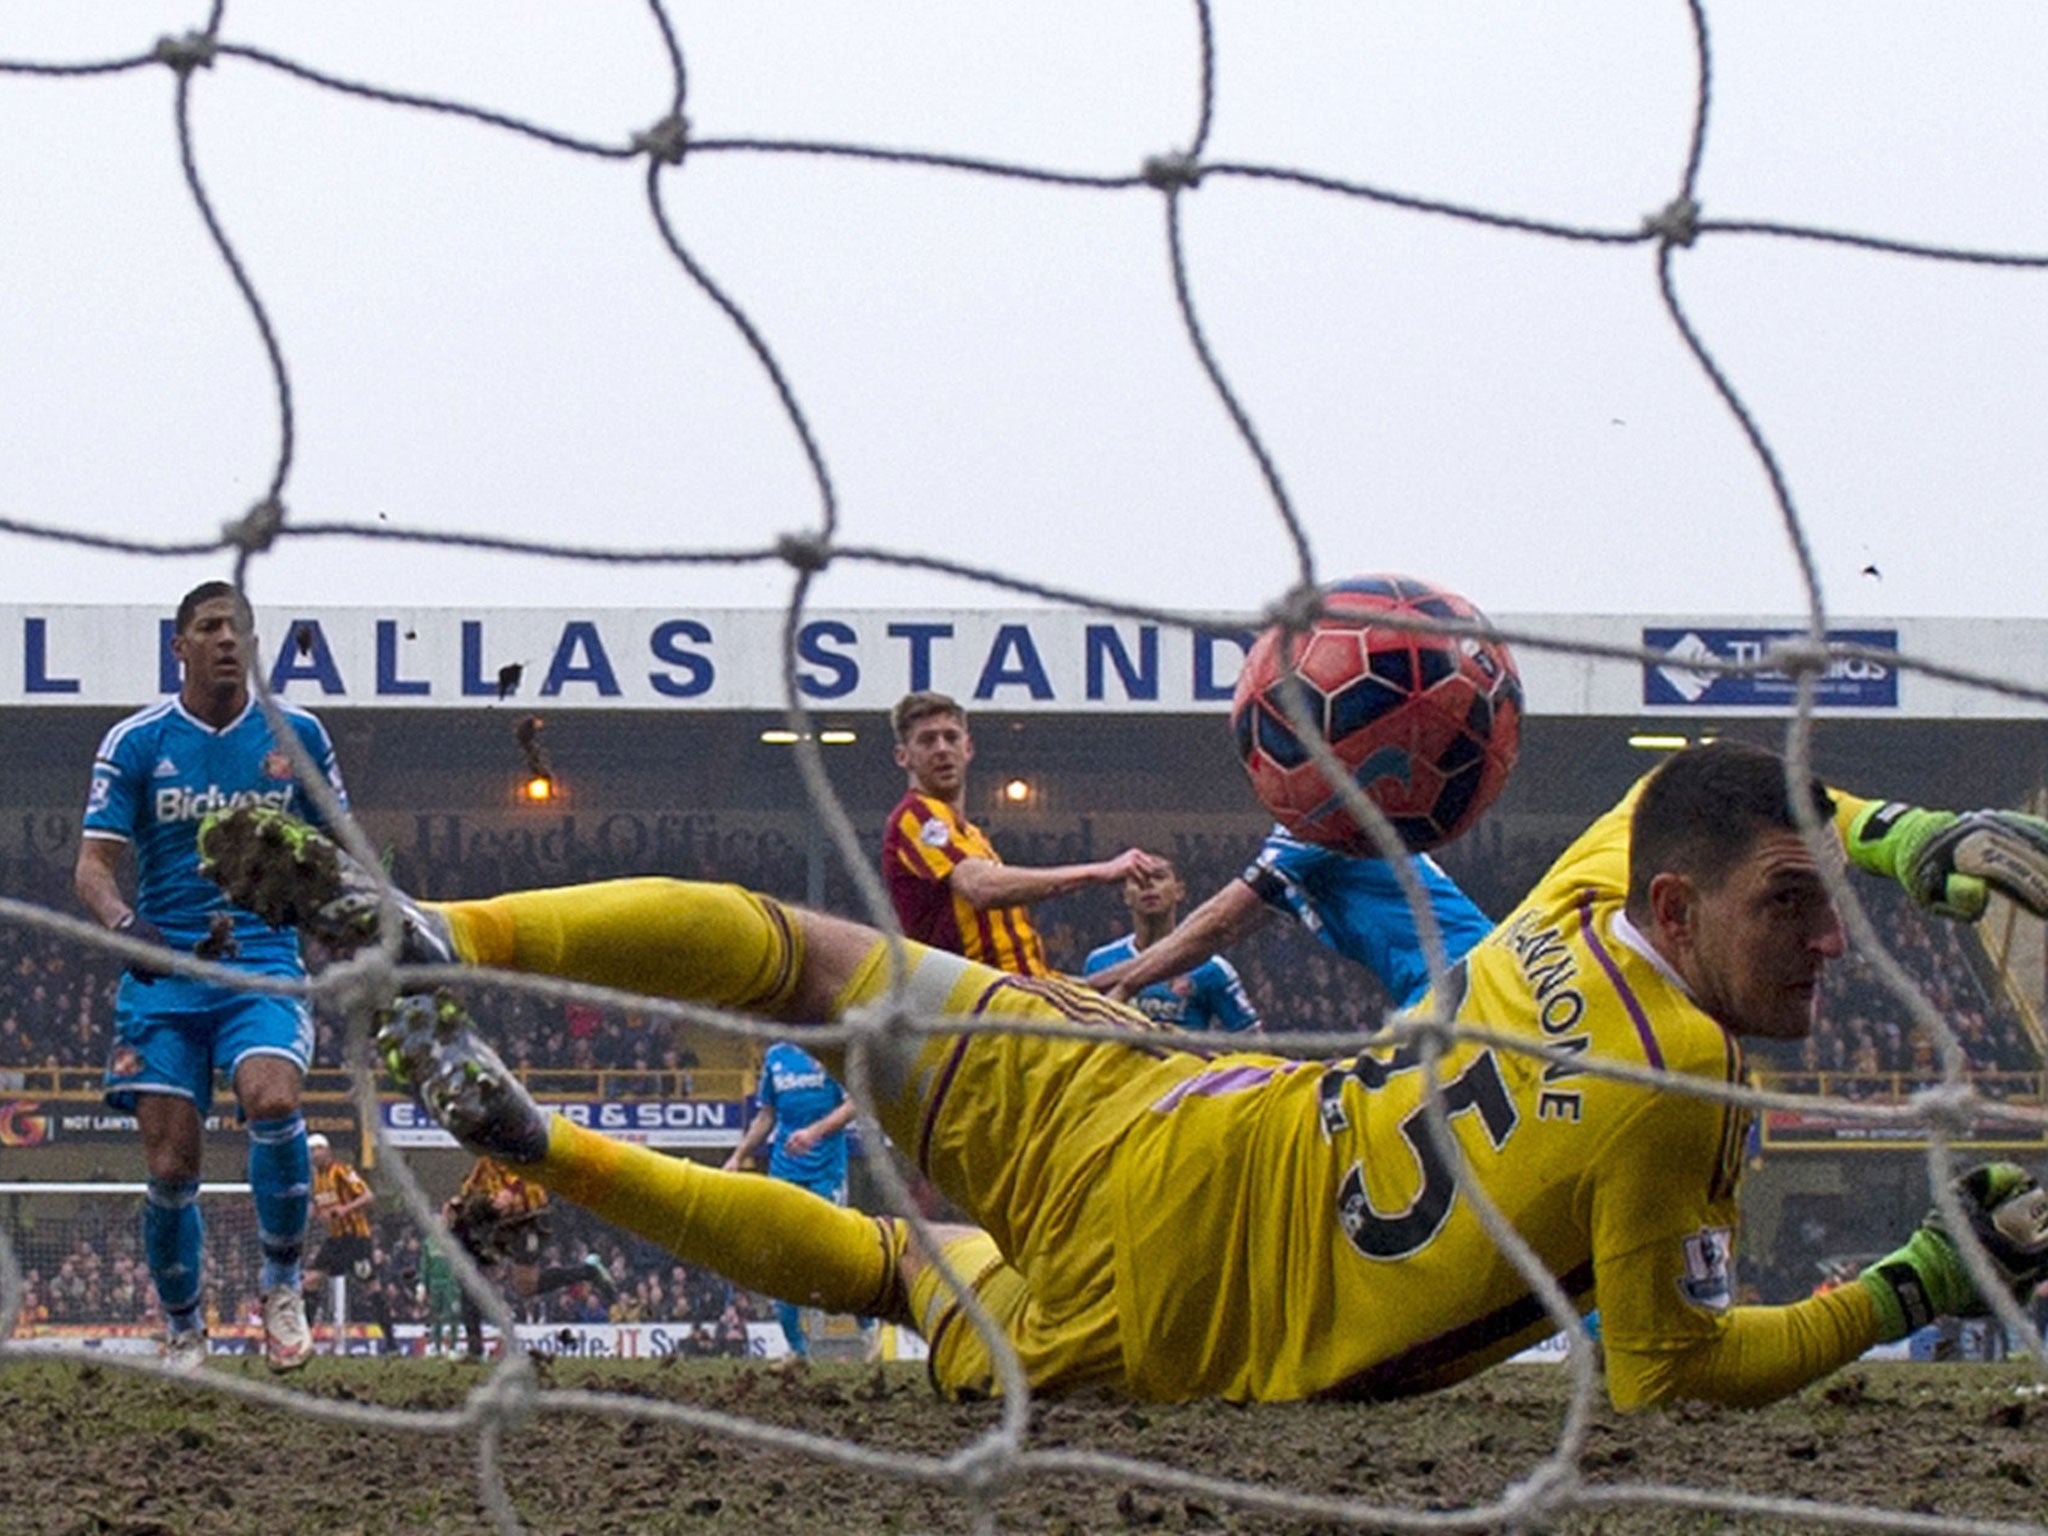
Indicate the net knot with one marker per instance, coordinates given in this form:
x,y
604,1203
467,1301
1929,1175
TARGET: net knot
x,y
195,50
1430,1032
1947,1105
875,1021
365,982
257,529
1793,657
508,1395
1676,223
982,1470
1172,171
1545,1491
1297,609
666,141
807,552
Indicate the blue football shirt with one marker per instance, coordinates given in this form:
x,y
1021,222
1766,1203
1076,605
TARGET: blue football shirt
x,y
162,770
1211,996
801,1092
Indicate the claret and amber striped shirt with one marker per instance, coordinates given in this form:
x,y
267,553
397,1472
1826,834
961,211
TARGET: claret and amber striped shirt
x,y
333,1187
926,841
488,1179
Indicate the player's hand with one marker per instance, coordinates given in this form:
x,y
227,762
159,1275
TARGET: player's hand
x,y
1928,1278
801,1140
139,928
1949,863
1133,861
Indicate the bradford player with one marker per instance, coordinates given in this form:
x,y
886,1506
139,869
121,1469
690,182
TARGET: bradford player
x,y
950,887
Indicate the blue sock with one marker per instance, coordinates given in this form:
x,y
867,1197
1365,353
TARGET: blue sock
x,y
280,1178
792,1317
173,1241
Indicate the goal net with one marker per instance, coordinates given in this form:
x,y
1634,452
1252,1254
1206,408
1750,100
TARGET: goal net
x,y
1148,193
79,1245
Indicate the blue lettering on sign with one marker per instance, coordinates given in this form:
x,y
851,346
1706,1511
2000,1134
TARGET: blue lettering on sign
x,y
35,661
474,684
844,670
389,683
920,637
667,645
580,639
1207,685
1687,672
1013,662
167,676
305,656
1140,679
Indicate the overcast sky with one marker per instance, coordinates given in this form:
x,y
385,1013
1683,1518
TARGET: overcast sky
x,y
486,334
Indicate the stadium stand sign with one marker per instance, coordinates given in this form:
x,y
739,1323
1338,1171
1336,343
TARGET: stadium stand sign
x,y
28,1124
1823,1128
1043,660
1680,679
699,1123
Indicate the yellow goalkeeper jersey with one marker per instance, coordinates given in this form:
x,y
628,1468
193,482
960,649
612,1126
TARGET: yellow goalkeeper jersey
x,y
1289,1229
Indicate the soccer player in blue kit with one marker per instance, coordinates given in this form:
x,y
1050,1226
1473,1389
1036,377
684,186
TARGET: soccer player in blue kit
x,y
806,1112
1355,906
156,775
1207,996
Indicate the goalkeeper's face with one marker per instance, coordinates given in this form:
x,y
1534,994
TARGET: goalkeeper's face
x,y
1752,946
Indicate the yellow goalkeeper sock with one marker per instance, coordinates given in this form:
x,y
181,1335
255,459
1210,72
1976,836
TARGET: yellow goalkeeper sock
x,y
760,1233
714,944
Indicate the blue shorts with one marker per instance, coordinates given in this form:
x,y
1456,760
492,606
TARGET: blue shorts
x,y
172,1034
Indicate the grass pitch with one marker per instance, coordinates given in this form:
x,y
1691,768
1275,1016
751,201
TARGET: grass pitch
x,y
88,1447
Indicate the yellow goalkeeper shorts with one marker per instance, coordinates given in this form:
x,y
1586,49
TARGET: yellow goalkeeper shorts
x,y
1072,1342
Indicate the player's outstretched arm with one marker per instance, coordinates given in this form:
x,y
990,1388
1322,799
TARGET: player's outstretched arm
x,y
983,883
1950,862
1659,1350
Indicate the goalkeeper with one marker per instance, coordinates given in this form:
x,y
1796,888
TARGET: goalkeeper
x,y
1245,1225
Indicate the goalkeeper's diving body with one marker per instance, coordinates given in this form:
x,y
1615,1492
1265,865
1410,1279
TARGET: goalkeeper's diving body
x,y
1248,1226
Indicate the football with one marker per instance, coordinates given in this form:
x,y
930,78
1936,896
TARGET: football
x,y
1428,725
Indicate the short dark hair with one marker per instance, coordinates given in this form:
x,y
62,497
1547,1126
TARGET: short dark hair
x,y
206,592
1704,808
922,705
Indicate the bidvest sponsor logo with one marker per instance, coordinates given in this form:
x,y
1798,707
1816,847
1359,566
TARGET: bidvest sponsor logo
x,y
177,803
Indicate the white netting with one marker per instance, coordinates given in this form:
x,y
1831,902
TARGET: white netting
x,y
666,150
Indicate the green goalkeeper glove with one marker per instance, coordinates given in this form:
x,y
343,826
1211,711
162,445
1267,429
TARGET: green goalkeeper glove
x,y
1948,863
1926,1279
